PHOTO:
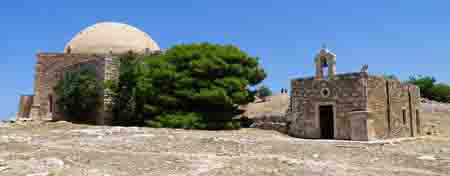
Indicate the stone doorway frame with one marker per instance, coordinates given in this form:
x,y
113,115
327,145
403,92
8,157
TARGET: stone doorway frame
x,y
317,117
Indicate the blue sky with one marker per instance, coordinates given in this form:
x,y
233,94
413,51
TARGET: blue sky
x,y
397,37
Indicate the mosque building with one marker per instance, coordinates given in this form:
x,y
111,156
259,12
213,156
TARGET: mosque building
x,y
96,46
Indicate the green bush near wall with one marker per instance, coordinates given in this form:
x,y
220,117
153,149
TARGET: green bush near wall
x,y
78,94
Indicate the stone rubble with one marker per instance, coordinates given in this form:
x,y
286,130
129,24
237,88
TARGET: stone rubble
x,y
3,168
427,157
39,174
3,124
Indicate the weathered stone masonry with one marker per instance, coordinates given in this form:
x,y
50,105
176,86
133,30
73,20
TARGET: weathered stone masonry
x,y
364,107
50,68
98,47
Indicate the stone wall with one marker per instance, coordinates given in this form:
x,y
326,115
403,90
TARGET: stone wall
x,y
50,68
394,107
346,92
398,94
111,72
377,104
25,104
271,121
403,113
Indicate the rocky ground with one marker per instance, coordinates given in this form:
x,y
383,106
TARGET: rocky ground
x,y
62,148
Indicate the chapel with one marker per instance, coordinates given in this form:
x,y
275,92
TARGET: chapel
x,y
352,106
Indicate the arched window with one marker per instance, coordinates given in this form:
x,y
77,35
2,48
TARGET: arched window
x,y
404,116
418,121
324,62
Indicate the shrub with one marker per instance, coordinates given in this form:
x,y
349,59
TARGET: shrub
x,y
425,83
430,89
229,125
263,91
441,92
236,125
78,94
178,120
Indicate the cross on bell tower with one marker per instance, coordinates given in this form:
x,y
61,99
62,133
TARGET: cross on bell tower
x,y
324,46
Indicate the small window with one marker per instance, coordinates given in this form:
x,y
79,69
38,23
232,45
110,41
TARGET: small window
x,y
418,121
404,116
325,92
50,103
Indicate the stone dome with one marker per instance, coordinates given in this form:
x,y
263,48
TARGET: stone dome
x,y
111,38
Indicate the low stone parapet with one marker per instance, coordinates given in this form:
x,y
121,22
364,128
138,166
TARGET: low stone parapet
x,y
280,127
271,121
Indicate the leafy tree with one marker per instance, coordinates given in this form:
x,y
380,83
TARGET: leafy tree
x,y
193,86
263,91
78,94
441,92
430,89
425,83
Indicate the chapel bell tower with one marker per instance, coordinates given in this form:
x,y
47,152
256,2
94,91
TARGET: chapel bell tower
x,y
325,64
